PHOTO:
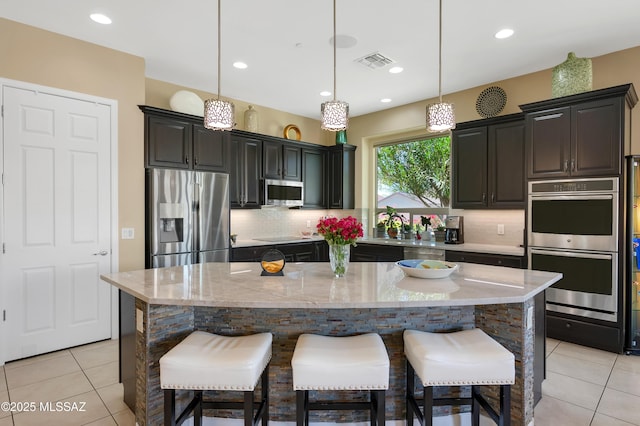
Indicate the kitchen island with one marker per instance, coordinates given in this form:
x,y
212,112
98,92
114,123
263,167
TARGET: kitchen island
x,y
232,299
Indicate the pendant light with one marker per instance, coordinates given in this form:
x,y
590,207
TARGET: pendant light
x,y
335,114
218,114
440,116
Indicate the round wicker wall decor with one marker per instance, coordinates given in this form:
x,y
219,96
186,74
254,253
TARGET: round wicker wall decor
x,y
491,101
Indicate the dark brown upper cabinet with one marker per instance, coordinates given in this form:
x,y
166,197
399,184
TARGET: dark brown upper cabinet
x,y
488,158
342,176
314,176
245,179
180,141
282,160
580,135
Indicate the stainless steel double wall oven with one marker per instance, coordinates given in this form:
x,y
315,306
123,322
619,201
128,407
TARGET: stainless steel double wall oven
x,y
574,228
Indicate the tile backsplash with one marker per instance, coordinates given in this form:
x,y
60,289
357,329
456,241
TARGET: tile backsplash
x,y
480,226
279,221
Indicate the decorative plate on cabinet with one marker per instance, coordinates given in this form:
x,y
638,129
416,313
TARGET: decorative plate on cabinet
x,y
491,101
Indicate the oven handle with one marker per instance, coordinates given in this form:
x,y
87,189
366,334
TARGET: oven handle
x,y
571,197
585,255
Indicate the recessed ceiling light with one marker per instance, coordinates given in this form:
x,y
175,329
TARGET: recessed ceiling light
x,y
240,65
385,100
100,18
504,33
396,70
325,93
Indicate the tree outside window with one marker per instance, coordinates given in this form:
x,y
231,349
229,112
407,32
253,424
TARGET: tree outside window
x,y
414,178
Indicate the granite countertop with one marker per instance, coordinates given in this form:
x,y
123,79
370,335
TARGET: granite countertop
x,y
312,285
470,247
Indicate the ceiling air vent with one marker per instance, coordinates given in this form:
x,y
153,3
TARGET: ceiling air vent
x,y
375,60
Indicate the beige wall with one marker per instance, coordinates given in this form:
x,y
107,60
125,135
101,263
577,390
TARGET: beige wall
x,y
271,122
35,56
409,120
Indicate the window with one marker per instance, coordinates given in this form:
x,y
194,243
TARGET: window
x,y
413,177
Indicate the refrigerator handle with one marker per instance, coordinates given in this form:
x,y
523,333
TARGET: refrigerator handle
x,y
195,213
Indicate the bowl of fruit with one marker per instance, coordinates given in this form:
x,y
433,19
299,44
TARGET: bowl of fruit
x,y
421,268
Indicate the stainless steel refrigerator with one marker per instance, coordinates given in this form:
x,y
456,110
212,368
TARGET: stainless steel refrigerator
x,y
187,217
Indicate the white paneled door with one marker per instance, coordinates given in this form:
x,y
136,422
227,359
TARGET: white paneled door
x,y
57,220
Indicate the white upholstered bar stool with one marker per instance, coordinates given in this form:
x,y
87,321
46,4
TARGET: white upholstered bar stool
x,y
352,363
462,358
206,361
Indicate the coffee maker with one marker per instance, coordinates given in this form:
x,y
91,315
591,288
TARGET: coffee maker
x,y
453,233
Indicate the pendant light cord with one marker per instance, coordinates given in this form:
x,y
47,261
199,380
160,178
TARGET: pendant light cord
x,y
219,44
440,51
334,50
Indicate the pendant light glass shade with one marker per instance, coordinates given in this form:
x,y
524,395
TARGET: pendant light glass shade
x,y
218,114
335,115
440,117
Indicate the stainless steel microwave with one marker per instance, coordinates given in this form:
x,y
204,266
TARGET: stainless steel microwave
x,y
285,193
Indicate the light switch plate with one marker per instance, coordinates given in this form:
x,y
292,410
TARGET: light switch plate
x,y
127,233
500,229
529,317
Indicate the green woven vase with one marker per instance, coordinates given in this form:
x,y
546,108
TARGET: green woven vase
x,y
572,76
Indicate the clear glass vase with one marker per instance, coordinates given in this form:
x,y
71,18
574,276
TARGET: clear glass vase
x,y
339,258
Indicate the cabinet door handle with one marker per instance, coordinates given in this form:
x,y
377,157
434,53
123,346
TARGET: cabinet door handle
x,y
484,197
186,159
195,161
493,197
573,165
566,166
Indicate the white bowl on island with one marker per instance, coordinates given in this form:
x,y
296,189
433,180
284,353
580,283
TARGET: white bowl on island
x,y
425,268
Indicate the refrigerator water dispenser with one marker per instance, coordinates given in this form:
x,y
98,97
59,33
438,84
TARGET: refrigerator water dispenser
x,y
171,223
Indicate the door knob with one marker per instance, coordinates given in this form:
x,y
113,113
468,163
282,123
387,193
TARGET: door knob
x,y
101,253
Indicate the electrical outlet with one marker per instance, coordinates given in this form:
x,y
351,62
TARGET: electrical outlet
x,y
500,229
127,233
139,321
308,224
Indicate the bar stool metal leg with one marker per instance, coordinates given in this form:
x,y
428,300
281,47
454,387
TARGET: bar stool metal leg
x,y
197,411
410,388
377,399
475,406
265,397
505,405
170,407
427,419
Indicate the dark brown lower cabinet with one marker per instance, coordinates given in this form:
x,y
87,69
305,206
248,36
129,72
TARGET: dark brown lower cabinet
x,y
486,259
376,253
306,251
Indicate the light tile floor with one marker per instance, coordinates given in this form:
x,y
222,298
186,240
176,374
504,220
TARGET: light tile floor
x,y
83,379
584,387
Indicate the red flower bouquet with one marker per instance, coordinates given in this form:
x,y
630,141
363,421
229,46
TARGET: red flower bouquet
x,y
340,231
